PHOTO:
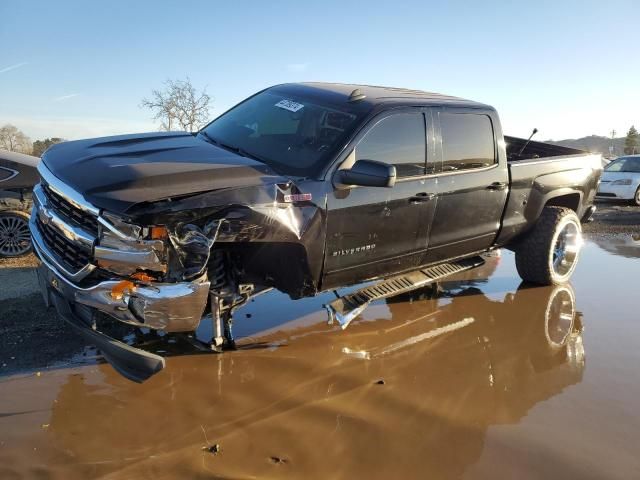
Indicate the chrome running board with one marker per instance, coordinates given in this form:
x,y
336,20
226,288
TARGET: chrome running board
x,y
346,308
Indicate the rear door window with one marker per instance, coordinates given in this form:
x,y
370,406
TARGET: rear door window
x,y
398,140
467,141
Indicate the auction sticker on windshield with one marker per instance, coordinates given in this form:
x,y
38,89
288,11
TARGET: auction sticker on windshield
x,y
289,105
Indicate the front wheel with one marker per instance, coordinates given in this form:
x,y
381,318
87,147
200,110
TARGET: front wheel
x,y
636,197
549,253
15,239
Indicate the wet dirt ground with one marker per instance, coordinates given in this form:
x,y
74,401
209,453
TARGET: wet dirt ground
x,y
614,217
483,378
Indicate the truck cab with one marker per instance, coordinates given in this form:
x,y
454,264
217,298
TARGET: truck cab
x,y
449,194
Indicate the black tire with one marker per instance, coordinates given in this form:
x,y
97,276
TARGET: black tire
x,y
636,198
15,240
543,257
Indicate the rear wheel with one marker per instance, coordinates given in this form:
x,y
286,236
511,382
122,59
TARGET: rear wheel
x,y
15,239
549,253
560,316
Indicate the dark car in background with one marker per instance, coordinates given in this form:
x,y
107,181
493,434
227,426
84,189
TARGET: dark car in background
x,y
18,175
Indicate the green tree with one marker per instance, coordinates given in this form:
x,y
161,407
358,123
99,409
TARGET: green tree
x,y
632,142
39,146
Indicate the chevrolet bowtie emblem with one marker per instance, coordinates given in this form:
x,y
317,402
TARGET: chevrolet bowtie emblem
x,y
45,215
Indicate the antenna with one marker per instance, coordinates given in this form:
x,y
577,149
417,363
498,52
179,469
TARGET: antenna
x,y
357,95
535,130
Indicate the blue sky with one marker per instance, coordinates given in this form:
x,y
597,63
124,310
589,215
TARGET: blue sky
x,y
76,68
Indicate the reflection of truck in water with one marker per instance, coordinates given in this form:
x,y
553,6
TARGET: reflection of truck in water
x,y
491,364
303,188
544,322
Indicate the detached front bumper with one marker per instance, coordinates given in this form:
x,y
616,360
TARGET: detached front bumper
x,y
171,307
133,363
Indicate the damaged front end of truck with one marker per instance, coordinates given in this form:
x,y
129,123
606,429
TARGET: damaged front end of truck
x,y
167,264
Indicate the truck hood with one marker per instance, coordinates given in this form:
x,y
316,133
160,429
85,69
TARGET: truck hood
x,y
118,172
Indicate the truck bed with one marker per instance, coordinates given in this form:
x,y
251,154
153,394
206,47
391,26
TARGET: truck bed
x,y
535,150
543,169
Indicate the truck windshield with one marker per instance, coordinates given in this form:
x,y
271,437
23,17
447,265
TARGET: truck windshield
x,y
628,164
292,134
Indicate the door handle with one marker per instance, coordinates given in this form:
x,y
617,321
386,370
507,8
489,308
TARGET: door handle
x,y
497,186
422,197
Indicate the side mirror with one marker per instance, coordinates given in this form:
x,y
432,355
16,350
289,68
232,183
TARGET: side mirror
x,y
367,173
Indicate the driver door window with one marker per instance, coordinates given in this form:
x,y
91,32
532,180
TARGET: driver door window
x,y
398,140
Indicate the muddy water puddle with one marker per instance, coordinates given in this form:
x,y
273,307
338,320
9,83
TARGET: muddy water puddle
x,y
483,378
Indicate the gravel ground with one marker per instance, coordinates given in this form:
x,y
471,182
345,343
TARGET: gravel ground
x,y
18,280
32,338
611,218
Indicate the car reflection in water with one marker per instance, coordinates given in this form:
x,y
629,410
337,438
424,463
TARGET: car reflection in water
x,y
627,246
454,362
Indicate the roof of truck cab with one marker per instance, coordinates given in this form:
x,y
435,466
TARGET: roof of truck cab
x,y
377,95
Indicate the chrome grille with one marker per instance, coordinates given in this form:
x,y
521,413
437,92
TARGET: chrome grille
x,y
68,211
70,255
64,227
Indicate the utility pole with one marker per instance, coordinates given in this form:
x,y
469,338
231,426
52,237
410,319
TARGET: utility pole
x,y
611,147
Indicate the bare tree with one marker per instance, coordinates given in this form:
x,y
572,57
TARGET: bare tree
x,y
14,140
179,106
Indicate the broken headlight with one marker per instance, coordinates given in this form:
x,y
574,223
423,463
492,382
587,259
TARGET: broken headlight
x,y
114,230
124,248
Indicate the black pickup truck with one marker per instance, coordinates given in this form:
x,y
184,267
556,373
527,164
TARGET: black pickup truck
x,y
302,188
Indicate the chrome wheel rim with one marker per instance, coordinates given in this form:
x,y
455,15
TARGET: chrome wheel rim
x,y
566,248
15,238
560,316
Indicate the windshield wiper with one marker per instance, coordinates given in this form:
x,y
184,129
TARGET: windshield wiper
x,y
211,139
233,149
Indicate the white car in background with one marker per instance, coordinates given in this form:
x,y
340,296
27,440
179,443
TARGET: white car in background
x,y
621,179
